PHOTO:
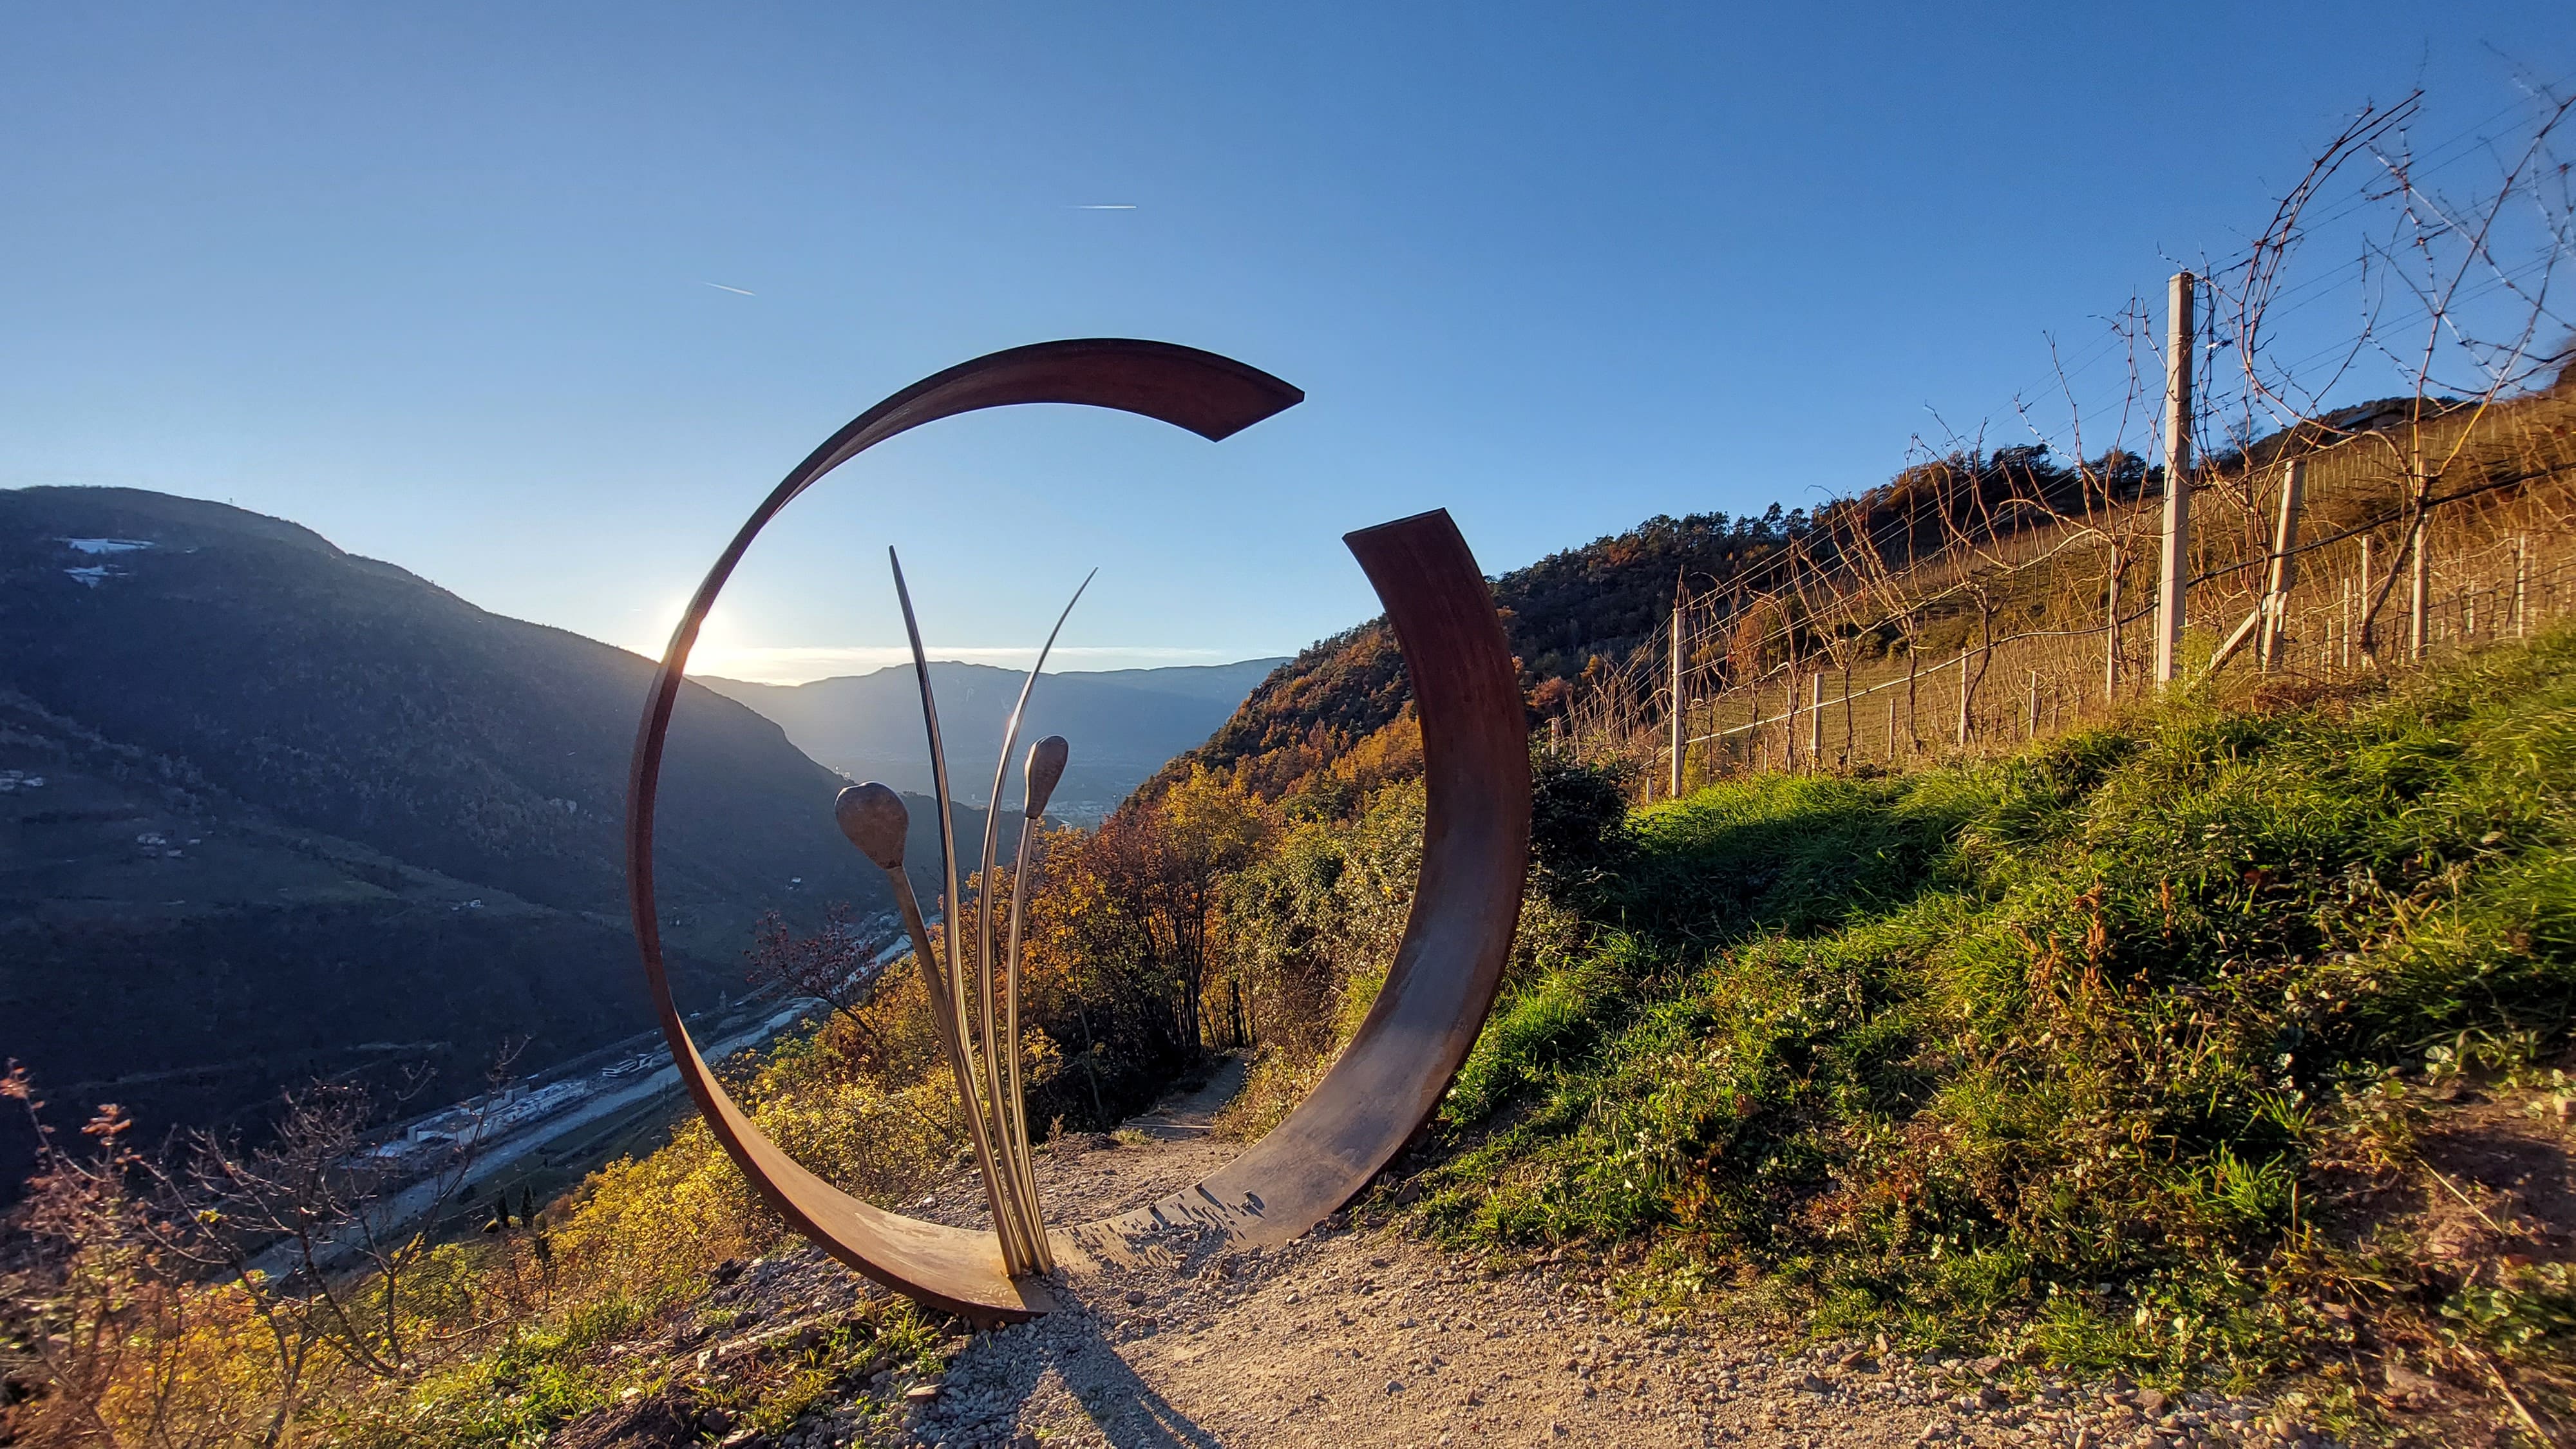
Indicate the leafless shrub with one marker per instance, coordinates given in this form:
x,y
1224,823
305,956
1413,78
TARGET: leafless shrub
x,y
205,1294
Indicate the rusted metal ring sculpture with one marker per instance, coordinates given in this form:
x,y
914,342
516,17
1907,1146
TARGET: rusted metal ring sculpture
x,y
1467,900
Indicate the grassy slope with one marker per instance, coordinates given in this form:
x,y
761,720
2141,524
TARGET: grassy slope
x,y
2055,1053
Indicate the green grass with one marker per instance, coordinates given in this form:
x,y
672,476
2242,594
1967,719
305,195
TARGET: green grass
x,y
513,1394
517,1392
2036,1053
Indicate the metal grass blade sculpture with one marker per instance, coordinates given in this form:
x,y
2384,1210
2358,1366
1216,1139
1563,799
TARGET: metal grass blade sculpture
x,y
970,1037
978,1031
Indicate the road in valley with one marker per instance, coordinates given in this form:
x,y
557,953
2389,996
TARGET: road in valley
x,y
493,1159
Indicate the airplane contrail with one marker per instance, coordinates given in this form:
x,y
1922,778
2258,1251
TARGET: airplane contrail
x,y
721,287
1109,206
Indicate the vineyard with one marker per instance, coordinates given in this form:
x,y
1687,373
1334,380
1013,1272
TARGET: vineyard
x,y
2029,616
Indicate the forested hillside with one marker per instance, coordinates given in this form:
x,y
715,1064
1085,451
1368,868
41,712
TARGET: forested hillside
x,y
1577,613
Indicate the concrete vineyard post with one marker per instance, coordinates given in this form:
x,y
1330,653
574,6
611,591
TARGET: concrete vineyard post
x,y
2418,589
1816,722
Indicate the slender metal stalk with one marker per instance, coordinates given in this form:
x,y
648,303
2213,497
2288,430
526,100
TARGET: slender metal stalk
x,y
980,1114
943,1015
1038,781
1024,878
876,821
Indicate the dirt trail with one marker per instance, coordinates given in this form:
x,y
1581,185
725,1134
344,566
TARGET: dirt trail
x,y
1355,1336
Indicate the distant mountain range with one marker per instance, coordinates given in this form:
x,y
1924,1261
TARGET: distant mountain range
x,y
269,810
1124,724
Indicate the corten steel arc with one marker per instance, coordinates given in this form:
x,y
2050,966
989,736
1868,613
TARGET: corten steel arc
x,y
1467,902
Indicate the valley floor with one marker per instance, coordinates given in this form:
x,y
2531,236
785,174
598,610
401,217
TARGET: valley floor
x,y
1355,1335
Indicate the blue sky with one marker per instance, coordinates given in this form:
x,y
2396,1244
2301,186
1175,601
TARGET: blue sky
x,y
434,280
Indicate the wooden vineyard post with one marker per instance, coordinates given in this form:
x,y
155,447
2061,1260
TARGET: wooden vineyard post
x,y
2111,635
1913,710
2030,709
2174,567
1891,729
2369,636
2285,567
1963,699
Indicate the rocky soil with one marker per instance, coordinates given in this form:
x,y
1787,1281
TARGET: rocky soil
x,y
1354,1335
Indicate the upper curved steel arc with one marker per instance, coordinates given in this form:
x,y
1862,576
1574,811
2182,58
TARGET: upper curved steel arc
x,y
948,1268
1209,394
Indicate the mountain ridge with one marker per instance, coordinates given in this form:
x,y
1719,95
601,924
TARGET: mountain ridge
x,y
263,801
1123,724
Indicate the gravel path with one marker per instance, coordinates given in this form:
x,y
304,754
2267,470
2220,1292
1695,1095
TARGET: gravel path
x,y
1355,1336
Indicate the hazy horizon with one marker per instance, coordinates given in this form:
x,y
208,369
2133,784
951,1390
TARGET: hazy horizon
x,y
798,662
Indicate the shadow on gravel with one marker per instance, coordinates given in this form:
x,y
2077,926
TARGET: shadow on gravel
x,y
1119,1404
1124,1407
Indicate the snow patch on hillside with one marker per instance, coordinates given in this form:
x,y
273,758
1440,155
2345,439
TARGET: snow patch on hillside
x,y
90,576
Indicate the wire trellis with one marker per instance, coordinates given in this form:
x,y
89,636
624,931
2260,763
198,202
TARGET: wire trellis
x,y
2017,634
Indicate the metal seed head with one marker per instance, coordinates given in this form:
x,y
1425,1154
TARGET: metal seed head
x,y
874,818
1046,766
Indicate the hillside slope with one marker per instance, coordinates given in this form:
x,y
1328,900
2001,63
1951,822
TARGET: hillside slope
x,y
1595,602
2213,1041
274,810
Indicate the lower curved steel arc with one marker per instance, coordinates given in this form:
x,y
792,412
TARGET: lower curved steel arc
x,y
1466,905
